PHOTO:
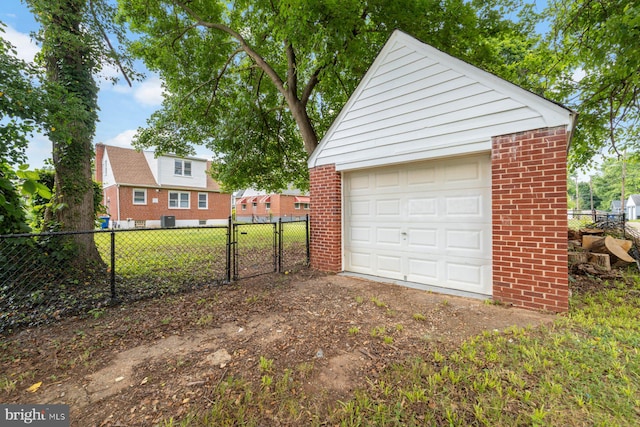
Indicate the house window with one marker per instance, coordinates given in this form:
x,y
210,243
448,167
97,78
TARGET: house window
x,y
203,201
306,206
182,167
139,196
254,204
244,206
267,205
178,200
296,205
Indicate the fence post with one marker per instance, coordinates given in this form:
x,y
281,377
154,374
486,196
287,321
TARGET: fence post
x,y
229,230
279,256
113,265
308,241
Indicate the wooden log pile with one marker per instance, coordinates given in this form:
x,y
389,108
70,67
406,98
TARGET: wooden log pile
x,y
602,252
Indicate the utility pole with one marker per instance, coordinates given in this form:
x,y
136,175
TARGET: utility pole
x,y
624,175
591,191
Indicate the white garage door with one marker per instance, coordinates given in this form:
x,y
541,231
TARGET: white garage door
x,y
427,223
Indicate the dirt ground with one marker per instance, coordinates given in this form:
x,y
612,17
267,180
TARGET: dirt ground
x,y
141,363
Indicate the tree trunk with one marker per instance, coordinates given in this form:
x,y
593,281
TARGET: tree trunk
x,y
73,116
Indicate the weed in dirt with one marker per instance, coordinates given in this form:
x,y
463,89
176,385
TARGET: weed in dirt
x,y
204,320
419,317
378,303
354,330
359,299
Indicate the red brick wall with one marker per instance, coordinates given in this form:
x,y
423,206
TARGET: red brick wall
x,y
529,206
219,205
325,218
282,205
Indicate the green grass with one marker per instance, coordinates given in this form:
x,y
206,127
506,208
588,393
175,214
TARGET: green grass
x,y
584,369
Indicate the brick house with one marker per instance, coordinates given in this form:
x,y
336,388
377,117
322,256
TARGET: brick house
x,y
140,190
258,206
441,176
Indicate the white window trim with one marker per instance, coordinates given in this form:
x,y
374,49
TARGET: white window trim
x,y
179,193
243,206
296,206
144,191
206,200
267,206
182,167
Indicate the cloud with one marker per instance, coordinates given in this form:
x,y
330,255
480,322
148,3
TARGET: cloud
x,y
26,47
149,92
123,139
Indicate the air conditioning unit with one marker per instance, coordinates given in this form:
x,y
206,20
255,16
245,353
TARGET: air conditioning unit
x,y
167,221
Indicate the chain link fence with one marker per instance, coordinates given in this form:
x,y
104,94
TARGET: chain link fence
x,y
39,283
596,219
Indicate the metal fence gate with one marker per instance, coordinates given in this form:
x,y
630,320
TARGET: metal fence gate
x,y
269,248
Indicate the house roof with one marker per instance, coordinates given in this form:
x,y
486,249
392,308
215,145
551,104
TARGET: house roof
x,y
130,166
635,198
416,103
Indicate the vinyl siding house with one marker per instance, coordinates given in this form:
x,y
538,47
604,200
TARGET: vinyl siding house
x,y
259,207
141,191
633,207
440,176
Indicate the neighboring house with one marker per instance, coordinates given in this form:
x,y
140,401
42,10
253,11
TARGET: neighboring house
x,y
258,206
140,190
439,175
616,207
633,207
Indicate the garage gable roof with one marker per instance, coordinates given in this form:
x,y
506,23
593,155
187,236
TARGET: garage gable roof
x,y
418,103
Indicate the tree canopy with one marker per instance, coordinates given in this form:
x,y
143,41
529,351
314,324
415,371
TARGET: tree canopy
x,y
260,81
596,42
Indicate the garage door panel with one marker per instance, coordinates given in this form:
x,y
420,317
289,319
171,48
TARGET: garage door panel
x,y
360,261
387,207
422,239
423,270
463,206
422,207
427,222
389,236
359,208
421,177
387,181
389,266
359,183
360,235
468,277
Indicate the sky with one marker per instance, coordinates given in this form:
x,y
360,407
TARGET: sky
x,y
123,109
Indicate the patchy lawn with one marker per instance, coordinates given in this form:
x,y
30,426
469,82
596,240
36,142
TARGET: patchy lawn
x,y
311,349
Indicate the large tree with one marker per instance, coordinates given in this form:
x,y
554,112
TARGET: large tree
x,y
260,81
597,44
75,47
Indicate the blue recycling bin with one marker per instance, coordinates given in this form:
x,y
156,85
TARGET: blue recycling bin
x,y
104,222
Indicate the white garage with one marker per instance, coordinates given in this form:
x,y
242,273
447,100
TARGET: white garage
x,y
425,223
439,175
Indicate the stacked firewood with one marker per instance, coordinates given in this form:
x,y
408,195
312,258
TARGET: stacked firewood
x,y
591,246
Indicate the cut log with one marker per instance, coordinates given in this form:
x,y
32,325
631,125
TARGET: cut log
x,y
588,239
577,257
602,261
608,245
591,231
